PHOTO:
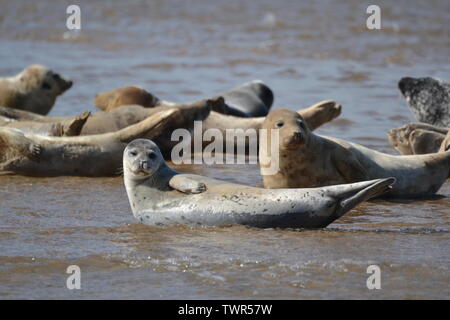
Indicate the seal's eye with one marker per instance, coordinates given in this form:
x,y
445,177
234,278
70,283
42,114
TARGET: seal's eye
x,y
302,125
152,155
133,153
279,124
45,85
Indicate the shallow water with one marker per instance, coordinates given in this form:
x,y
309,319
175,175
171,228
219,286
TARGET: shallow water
x,y
183,51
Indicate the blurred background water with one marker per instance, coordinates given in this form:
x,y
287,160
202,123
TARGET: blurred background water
x,y
182,51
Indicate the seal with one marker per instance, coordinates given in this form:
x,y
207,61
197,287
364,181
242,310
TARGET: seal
x,y
94,155
66,128
417,138
159,195
119,118
123,96
34,89
309,160
428,99
251,99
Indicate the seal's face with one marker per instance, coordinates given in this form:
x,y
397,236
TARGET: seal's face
x,y
141,158
293,131
44,80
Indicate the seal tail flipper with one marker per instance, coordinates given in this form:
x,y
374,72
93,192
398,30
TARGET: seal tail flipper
x,y
73,127
360,192
320,113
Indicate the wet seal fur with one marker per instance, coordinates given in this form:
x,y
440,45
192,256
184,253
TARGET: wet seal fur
x,y
417,138
159,195
310,160
34,89
428,99
94,155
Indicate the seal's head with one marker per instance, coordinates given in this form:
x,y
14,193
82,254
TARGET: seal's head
x,y
141,159
38,77
293,130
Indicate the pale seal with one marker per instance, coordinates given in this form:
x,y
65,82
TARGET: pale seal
x,y
417,138
309,160
428,99
159,195
34,89
93,155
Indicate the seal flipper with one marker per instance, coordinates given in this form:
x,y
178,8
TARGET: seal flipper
x,y
357,193
187,185
350,169
73,127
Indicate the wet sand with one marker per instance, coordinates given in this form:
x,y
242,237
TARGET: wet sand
x,y
183,51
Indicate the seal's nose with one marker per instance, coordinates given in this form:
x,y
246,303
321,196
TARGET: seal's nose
x,y
297,135
143,164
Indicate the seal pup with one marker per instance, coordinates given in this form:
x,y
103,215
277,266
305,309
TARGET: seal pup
x,y
94,155
66,128
34,89
417,138
159,195
309,160
428,99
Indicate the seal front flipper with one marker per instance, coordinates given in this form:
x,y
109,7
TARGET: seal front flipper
x,y
35,152
350,168
187,185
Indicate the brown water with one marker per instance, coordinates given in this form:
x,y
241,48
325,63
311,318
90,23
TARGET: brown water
x,y
185,50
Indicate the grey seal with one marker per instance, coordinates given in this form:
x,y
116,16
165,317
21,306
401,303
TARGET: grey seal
x,y
93,155
34,89
428,99
159,195
310,160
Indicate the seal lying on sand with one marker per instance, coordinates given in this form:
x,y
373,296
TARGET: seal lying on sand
x,y
66,128
428,99
159,195
116,119
417,138
309,160
95,155
252,99
34,89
